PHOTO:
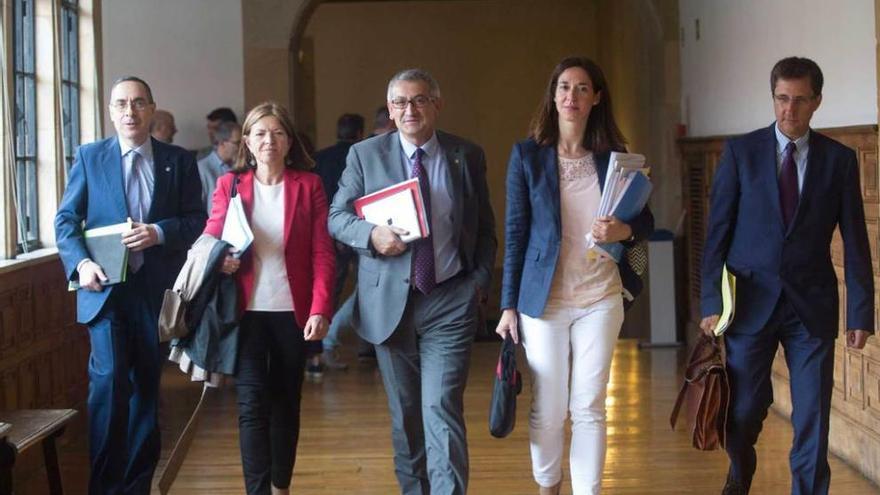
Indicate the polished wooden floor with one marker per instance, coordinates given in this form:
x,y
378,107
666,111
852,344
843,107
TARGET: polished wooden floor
x,y
345,445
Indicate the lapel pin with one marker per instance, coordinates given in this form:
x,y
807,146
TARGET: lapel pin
x,y
167,168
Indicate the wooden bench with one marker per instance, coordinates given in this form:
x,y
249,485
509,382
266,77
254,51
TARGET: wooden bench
x,y
24,428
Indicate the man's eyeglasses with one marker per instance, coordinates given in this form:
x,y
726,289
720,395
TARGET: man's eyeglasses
x,y
418,101
795,100
138,104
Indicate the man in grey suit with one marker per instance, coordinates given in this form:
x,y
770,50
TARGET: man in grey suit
x,y
418,302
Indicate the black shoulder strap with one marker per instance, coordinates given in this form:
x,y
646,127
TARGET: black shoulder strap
x,y
234,191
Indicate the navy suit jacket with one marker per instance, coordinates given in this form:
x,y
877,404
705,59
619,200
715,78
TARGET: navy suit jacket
x,y
95,197
746,231
534,227
329,164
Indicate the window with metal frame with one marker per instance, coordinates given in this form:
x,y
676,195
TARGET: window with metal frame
x,y
70,120
25,127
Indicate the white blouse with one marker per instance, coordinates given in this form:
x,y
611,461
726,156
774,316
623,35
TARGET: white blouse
x,y
271,286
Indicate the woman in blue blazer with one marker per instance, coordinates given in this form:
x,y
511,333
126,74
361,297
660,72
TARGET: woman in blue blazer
x,y
565,300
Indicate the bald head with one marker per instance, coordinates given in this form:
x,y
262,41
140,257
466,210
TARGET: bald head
x,y
162,126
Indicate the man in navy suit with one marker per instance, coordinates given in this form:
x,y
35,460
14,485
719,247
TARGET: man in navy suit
x,y
778,195
157,186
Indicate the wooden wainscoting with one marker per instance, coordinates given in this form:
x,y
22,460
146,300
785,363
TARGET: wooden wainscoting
x,y
43,352
855,416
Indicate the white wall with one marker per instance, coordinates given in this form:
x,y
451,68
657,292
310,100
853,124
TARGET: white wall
x,y
726,73
189,51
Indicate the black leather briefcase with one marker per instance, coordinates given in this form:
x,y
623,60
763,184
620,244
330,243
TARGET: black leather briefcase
x,y
508,384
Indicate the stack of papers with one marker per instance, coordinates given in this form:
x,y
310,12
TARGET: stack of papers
x,y
105,248
236,229
627,189
728,301
400,205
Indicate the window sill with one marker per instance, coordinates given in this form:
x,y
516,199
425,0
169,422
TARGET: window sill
x,y
22,261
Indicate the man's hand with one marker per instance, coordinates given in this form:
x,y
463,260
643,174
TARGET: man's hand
x,y
856,339
91,275
508,324
386,240
708,325
610,229
140,237
316,328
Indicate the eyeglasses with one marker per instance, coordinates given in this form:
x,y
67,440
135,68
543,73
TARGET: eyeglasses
x,y
138,104
418,101
796,100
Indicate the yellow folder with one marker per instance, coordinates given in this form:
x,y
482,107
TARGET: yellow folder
x,y
728,301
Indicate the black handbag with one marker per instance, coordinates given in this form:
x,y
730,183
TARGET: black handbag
x,y
508,384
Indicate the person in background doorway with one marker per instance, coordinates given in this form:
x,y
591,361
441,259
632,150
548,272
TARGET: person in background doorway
x,y
162,126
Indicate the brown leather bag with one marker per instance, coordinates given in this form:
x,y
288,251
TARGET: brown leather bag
x,y
707,394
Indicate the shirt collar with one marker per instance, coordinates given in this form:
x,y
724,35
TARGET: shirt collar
x,y
430,148
782,140
145,149
219,161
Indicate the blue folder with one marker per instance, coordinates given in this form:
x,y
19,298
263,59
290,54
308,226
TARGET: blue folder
x,y
631,204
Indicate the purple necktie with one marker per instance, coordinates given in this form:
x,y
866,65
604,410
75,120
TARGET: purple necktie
x,y
423,274
134,192
788,184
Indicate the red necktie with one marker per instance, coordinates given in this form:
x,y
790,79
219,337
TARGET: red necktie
x,y
788,184
424,277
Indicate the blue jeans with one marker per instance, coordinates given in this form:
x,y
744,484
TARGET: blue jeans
x,y
341,320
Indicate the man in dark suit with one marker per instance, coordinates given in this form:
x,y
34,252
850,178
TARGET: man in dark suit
x,y
777,197
418,302
157,186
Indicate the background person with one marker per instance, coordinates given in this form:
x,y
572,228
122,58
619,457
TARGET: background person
x,y
227,138
162,127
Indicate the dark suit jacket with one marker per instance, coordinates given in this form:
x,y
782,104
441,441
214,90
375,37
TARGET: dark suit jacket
x,y
95,194
329,164
533,226
308,250
746,231
383,282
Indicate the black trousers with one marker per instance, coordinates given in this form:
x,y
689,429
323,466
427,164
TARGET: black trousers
x,y
269,377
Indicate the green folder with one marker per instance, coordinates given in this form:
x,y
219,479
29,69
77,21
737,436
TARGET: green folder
x,y
105,248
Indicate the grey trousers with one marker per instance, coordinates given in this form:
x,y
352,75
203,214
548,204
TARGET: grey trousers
x,y
424,366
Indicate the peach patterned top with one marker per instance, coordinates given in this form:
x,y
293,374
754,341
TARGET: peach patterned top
x,y
580,280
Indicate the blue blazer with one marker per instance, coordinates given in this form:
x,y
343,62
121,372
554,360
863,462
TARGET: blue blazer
x,y
95,197
533,227
746,231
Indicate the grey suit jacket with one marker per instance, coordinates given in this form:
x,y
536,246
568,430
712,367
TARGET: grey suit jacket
x,y
383,281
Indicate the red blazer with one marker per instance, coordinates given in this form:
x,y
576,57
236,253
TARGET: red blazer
x,y
308,250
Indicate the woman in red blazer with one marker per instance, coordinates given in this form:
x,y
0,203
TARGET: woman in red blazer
x,y
285,281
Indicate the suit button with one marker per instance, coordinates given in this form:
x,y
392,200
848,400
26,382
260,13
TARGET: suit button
x,y
406,280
